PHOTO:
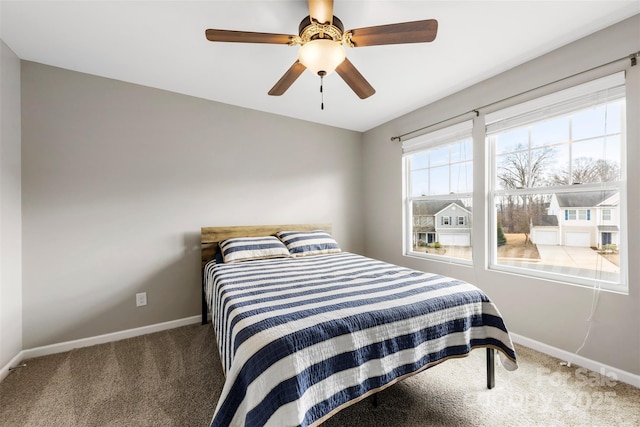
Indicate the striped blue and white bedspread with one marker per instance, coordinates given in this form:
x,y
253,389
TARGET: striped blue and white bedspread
x,y
301,338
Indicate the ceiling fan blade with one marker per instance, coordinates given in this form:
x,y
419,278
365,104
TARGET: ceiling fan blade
x,y
405,32
246,37
287,79
354,79
321,10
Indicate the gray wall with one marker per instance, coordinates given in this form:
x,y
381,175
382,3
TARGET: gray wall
x,y
552,313
118,179
10,207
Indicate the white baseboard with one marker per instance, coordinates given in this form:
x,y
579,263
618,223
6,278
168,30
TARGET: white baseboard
x,y
574,359
4,371
592,365
100,339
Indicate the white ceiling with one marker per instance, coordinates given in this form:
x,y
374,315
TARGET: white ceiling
x,y
162,44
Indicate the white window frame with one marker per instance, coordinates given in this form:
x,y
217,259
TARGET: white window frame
x,y
564,101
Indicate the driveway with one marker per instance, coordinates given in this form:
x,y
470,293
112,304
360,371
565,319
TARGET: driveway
x,y
575,257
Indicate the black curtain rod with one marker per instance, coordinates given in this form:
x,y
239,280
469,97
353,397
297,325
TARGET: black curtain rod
x,y
632,57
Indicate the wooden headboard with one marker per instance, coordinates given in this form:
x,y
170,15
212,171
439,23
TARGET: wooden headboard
x,y
211,236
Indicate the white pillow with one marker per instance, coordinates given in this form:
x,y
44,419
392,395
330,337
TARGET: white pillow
x,y
306,243
252,248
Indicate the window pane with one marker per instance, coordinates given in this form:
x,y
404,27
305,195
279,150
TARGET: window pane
x,y
614,117
439,156
462,151
439,179
596,160
598,121
612,159
591,149
462,178
525,169
550,132
419,160
512,140
512,169
419,183
544,165
589,123
560,167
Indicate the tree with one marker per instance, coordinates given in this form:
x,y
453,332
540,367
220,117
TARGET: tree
x,y
587,169
502,240
523,168
521,221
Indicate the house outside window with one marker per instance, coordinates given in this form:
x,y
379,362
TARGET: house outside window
x,y
438,188
556,162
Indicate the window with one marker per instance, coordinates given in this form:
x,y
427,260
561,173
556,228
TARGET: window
x,y
438,187
554,160
575,214
584,214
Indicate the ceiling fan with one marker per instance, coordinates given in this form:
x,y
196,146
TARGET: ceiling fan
x,y
322,37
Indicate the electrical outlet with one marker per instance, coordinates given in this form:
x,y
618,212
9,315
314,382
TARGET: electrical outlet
x,y
141,299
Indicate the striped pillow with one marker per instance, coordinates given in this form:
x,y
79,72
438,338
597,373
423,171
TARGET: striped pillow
x,y
252,248
305,243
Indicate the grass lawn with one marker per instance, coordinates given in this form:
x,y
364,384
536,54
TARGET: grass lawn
x,y
517,248
514,248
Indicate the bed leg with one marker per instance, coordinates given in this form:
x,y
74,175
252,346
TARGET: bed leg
x,y
375,400
491,371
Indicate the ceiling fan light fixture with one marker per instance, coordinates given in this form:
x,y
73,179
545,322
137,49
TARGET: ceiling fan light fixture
x,y
321,55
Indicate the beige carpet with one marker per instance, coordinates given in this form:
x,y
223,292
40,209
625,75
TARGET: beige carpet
x,y
173,378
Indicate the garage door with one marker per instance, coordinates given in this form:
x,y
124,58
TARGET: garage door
x,y
575,238
546,237
449,239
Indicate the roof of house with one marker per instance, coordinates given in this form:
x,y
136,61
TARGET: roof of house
x,y
583,199
432,207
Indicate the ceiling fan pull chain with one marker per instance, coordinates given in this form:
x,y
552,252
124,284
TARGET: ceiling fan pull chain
x,y
321,74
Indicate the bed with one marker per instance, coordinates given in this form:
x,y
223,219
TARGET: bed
x,y
310,329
